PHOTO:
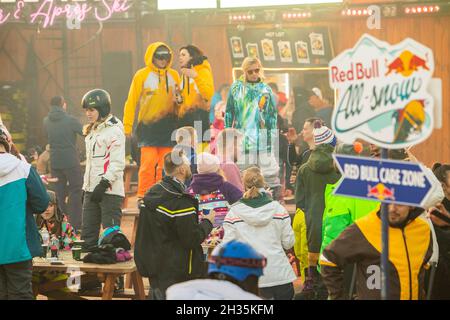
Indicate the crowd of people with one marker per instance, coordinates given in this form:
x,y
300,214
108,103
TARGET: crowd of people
x,y
214,171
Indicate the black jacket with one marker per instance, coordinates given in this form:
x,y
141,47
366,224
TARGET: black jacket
x,y
62,130
169,236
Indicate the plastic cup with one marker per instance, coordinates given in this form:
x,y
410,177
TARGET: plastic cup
x,y
76,254
44,251
54,253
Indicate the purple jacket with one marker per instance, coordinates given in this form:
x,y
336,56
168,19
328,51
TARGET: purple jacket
x,y
210,182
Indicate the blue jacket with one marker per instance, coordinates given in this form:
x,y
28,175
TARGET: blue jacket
x,y
62,130
22,193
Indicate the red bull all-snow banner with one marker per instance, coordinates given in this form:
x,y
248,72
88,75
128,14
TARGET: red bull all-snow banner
x,y
382,93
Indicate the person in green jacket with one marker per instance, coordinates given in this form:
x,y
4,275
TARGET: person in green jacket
x,y
341,211
312,179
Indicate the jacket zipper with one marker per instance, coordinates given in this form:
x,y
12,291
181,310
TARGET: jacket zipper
x,y
409,264
90,156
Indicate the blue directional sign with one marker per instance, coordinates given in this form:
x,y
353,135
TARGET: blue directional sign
x,y
384,180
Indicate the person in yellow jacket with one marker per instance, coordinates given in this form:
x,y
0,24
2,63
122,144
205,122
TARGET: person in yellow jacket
x,y
197,89
301,242
153,93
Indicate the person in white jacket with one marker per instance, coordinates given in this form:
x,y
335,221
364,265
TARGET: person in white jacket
x,y
105,164
233,271
265,225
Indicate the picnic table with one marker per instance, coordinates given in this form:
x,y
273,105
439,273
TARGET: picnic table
x,y
106,273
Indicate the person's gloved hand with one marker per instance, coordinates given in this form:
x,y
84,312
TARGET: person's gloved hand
x,y
99,191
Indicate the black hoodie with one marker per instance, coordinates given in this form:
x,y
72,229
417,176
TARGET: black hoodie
x,y
62,130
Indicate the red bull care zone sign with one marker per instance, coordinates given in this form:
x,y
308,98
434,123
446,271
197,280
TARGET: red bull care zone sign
x,y
387,181
382,93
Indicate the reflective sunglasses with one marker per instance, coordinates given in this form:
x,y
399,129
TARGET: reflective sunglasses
x,y
254,71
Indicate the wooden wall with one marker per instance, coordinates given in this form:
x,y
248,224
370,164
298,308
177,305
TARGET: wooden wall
x,y
432,31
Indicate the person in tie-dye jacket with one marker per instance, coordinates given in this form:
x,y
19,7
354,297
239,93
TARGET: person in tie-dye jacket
x,y
251,109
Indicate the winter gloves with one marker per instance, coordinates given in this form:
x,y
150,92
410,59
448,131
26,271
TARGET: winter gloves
x,y
99,190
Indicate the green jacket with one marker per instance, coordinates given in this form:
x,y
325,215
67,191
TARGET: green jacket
x,y
340,212
312,179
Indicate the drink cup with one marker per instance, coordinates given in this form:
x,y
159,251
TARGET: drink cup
x,y
44,251
54,252
76,254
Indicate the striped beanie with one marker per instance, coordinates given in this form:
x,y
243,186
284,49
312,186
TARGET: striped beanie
x,y
323,135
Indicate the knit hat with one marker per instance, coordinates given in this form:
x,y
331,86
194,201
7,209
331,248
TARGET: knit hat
x,y
323,135
207,163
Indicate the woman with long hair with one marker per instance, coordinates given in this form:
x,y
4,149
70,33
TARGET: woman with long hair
x,y
105,163
197,88
251,109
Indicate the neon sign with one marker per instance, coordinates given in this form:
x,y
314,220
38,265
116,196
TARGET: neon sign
x,y
47,12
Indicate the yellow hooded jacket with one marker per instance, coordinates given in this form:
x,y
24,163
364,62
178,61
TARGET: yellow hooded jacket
x,y
197,94
152,89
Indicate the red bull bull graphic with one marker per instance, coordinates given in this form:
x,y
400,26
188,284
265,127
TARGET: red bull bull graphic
x,y
406,64
380,192
382,93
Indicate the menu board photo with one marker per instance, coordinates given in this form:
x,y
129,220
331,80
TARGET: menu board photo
x,y
287,48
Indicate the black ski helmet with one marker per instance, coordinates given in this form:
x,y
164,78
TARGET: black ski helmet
x,y
98,99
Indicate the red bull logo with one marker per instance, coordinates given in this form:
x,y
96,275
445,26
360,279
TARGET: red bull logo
x,y
406,64
381,192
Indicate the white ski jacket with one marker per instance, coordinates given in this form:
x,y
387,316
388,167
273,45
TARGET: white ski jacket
x,y
105,156
266,226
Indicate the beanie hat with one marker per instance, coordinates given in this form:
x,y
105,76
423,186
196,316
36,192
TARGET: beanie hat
x,y
207,163
323,135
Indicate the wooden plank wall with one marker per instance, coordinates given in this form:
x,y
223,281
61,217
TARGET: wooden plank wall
x,y
432,31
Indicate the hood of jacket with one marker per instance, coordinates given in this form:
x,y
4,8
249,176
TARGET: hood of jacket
x,y
204,64
8,163
198,61
413,214
257,211
208,289
321,159
206,183
56,113
148,58
164,191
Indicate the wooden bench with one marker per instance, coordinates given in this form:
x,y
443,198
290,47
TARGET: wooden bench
x,y
87,271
